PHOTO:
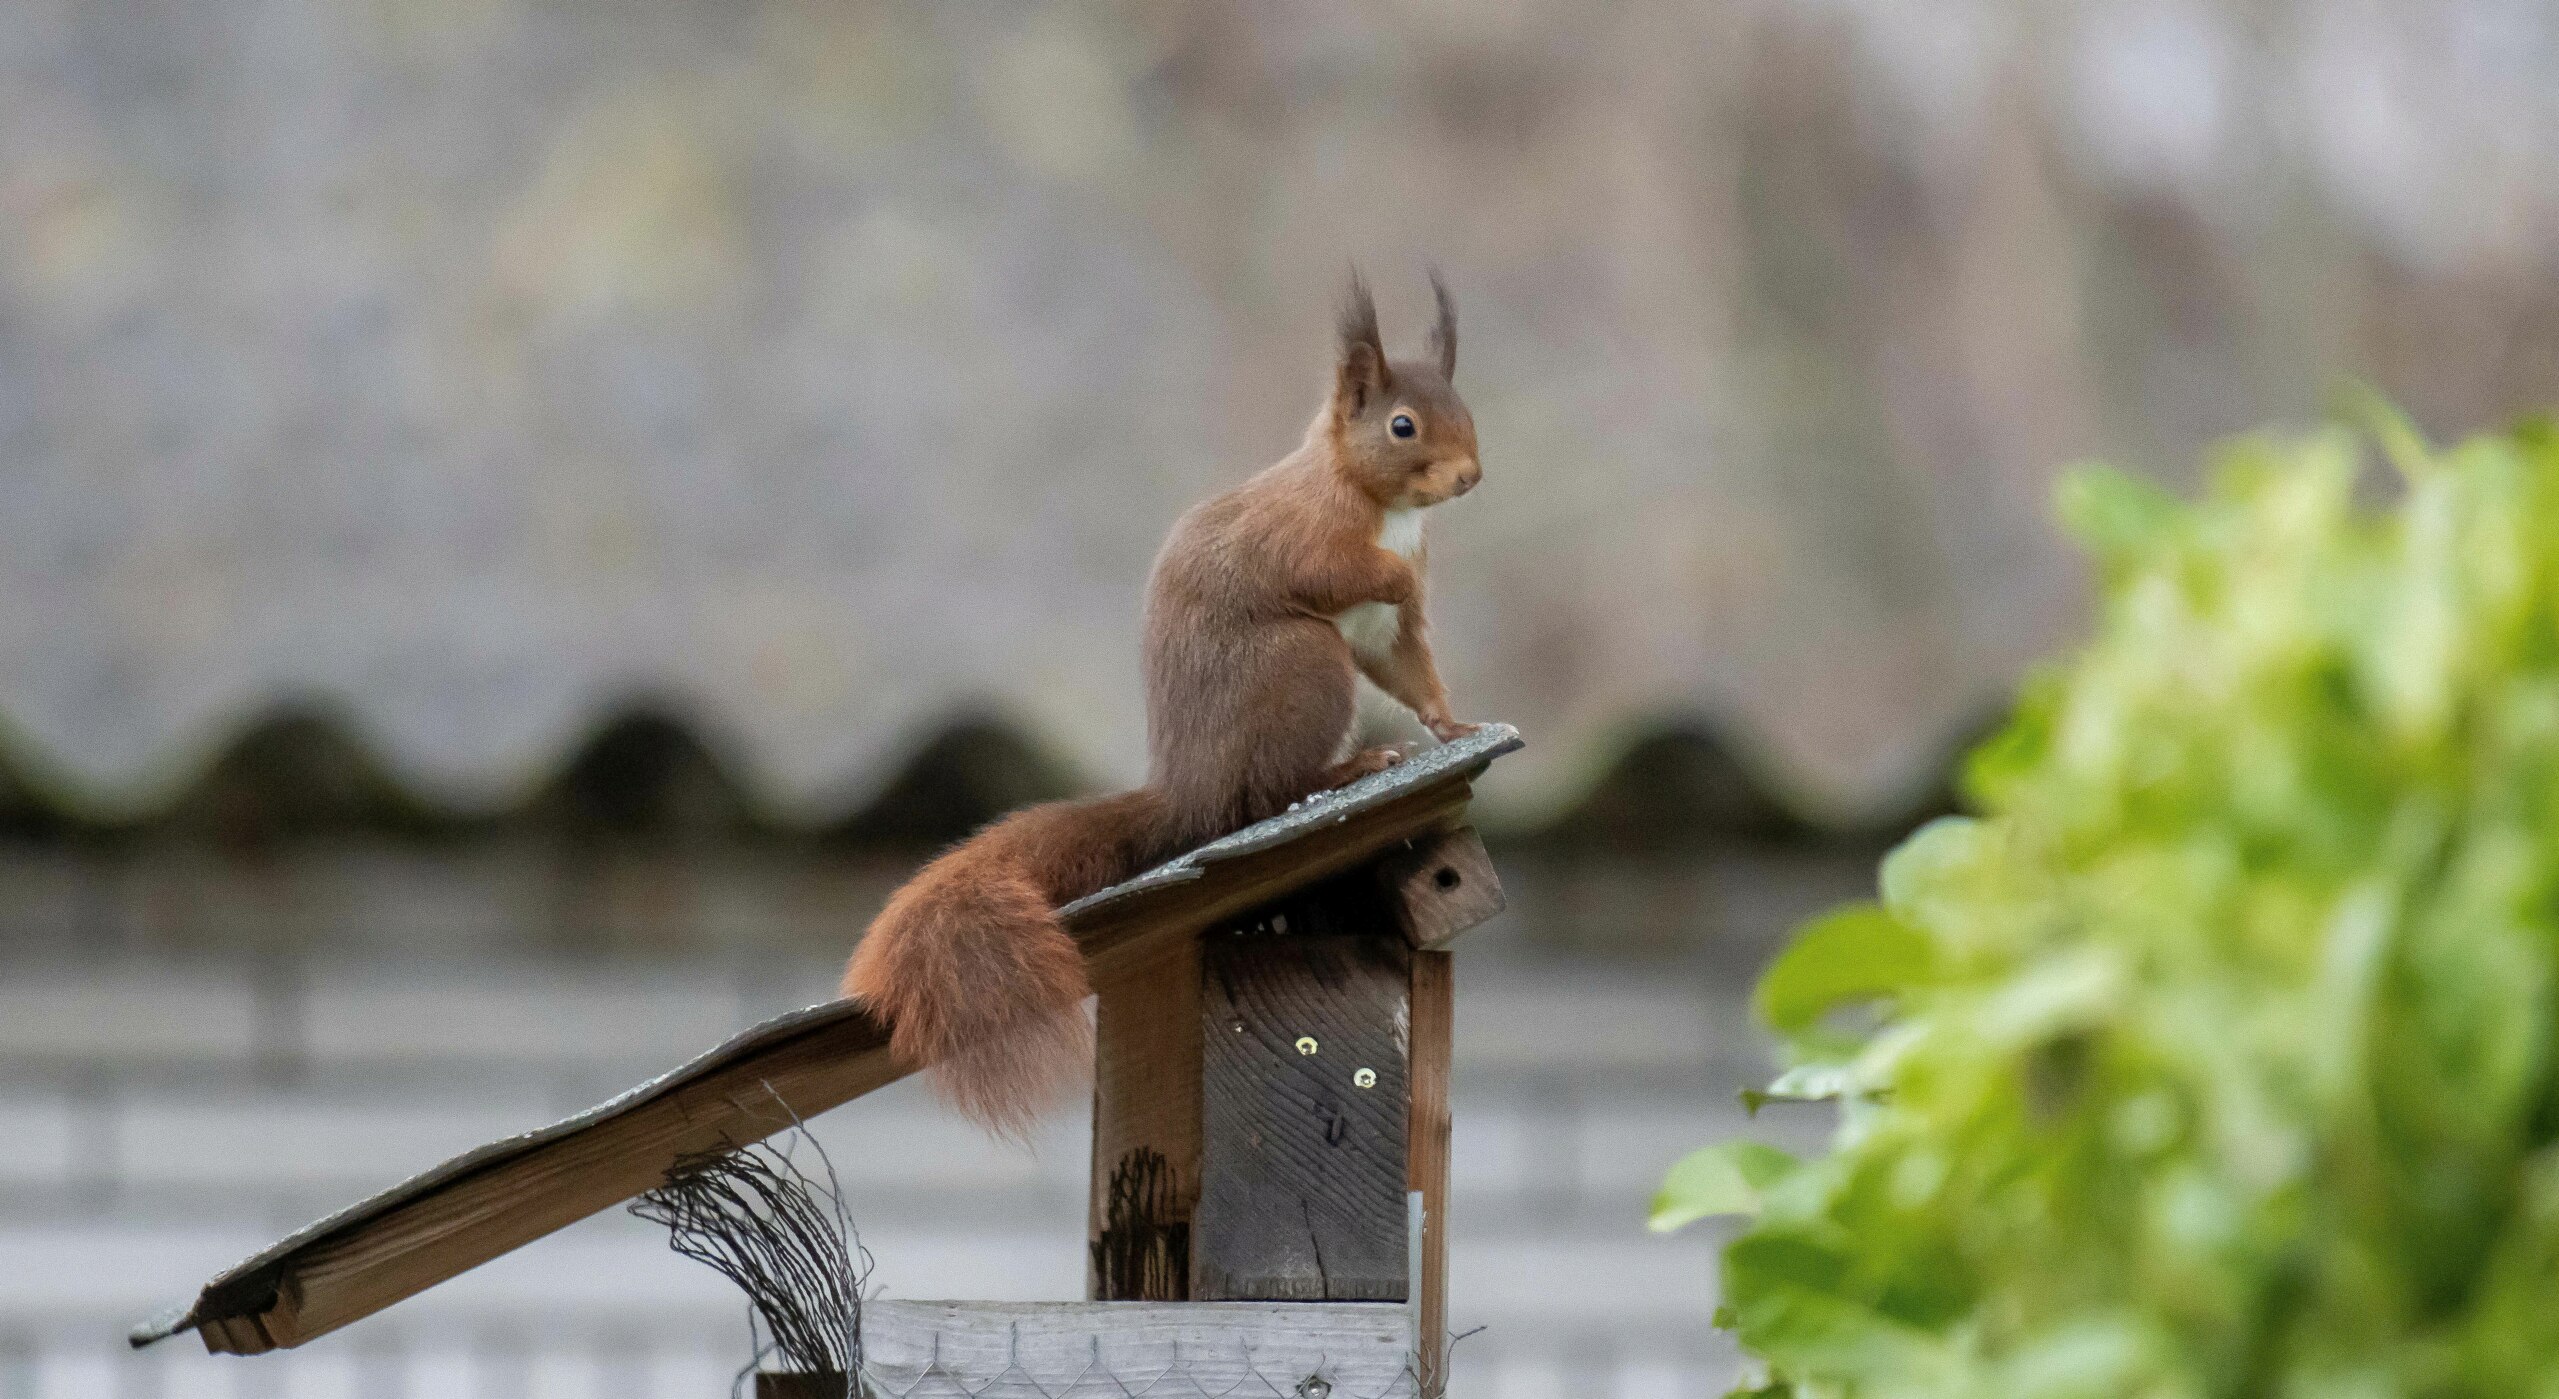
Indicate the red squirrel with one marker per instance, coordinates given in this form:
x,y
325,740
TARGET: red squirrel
x,y
1264,603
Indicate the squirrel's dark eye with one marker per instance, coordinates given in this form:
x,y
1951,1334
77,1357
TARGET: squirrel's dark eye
x,y
1402,426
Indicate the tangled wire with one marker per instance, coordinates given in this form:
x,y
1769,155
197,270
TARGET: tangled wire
x,y
752,1215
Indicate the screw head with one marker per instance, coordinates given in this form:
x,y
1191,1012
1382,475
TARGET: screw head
x,y
1365,1078
1305,1044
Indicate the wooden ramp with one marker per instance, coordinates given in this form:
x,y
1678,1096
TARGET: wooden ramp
x,y
498,1198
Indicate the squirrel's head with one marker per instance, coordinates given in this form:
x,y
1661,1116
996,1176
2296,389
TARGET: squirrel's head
x,y
1397,428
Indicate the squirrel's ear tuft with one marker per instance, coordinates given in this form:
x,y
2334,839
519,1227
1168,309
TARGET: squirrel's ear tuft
x,y
1361,373
1444,330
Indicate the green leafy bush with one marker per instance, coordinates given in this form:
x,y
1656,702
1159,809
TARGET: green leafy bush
x,y
2215,1057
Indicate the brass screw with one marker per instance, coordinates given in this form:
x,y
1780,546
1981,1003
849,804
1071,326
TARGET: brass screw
x,y
1305,1044
1365,1078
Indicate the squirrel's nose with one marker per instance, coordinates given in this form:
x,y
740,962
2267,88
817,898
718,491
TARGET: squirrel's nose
x,y
1467,476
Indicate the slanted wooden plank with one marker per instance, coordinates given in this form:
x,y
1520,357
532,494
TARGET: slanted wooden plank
x,y
1434,1023
511,1201
1040,1350
1125,935
1441,884
1303,1116
1146,1132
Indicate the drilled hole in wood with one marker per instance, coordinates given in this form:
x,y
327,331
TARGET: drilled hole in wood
x,y
1446,878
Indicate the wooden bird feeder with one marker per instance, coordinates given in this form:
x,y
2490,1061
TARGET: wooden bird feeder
x,y
1270,1125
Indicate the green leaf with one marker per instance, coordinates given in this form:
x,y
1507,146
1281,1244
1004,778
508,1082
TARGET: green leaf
x,y
1726,1178
1804,1083
1857,953
2362,406
1792,1305
2091,1357
2118,516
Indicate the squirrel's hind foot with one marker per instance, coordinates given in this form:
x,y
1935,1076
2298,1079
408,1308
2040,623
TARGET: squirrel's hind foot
x,y
1361,764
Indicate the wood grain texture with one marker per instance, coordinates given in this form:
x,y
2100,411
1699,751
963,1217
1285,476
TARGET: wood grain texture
x,y
1146,1099
1039,1350
1441,884
1303,1114
514,1201
1434,1021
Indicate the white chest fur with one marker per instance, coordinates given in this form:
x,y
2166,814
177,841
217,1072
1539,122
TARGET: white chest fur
x,y
1401,533
1371,627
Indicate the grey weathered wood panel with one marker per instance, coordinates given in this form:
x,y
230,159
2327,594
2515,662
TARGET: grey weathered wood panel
x,y
1303,1115
1054,1350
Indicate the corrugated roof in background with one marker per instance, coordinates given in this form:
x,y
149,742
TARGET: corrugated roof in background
x,y
825,371
641,772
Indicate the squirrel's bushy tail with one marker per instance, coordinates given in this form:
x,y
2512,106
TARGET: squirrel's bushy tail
x,y
971,968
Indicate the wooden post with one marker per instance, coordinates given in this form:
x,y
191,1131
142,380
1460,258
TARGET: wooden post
x,y
1434,1012
1146,1131
1304,1119
1440,885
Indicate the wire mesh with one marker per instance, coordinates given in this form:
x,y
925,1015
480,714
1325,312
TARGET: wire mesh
x,y
1183,1372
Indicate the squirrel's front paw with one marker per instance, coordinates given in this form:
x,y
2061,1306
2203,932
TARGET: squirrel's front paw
x,y
1448,730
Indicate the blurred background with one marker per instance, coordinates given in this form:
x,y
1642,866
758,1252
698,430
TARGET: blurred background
x,y
521,520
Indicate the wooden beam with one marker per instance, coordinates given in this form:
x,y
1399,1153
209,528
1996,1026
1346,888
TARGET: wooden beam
x,y
1146,1132
1303,1128
1441,884
1434,1024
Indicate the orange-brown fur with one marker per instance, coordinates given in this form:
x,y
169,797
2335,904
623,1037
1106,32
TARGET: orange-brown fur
x,y
1249,687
